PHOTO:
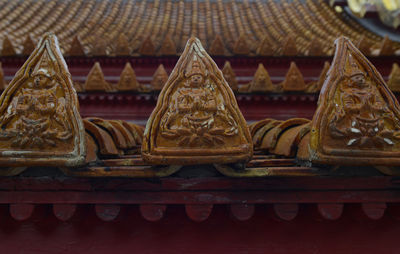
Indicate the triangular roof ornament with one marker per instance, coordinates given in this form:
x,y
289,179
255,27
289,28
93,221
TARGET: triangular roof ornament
x,y
95,80
261,81
147,47
316,86
99,47
159,79
168,47
8,48
127,80
217,47
315,48
357,121
28,46
241,47
289,46
294,80
40,121
386,47
76,48
363,45
197,119
265,48
122,48
230,76
394,78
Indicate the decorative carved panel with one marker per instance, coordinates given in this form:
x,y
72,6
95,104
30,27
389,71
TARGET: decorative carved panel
x,y
197,119
40,121
357,121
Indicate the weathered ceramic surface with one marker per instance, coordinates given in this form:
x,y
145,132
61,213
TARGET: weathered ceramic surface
x,y
230,76
394,78
40,121
196,120
357,119
160,77
294,80
261,81
95,80
127,80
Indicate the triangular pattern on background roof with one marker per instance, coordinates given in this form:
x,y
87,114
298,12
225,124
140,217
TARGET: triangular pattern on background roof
x,y
40,121
8,48
230,76
197,119
357,121
160,77
168,47
95,80
76,48
28,46
127,80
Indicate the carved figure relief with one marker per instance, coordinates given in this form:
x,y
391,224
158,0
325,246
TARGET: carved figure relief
x,y
358,117
40,122
196,119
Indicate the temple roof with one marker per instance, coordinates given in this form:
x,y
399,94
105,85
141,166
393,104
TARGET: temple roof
x,y
118,27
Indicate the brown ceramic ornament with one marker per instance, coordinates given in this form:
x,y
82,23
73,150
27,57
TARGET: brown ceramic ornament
x,y
147,48
76,48
122,48
28,46
386,47
95,80
294,80
241,47
217,47
168,47
40,121
197,119
160,77
230,76
265,48
261,81
394,78
8,48
289,46
127,80
357,121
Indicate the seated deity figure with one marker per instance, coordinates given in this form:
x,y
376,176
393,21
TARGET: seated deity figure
x,y
196,116
36,112
364,117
